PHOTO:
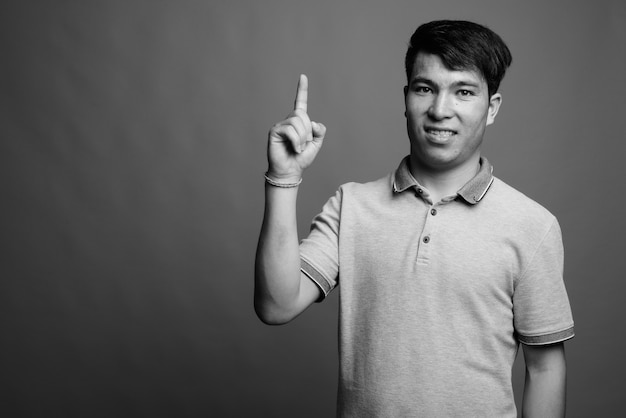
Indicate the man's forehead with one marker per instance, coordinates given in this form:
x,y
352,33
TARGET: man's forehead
x,y
431,65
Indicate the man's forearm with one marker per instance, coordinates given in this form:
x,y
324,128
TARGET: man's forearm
x,y
277,267
544,389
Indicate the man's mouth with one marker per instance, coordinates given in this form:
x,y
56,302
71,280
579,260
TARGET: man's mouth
x,y
440,134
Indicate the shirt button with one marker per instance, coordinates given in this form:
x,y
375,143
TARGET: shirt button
x,y
433,212
426,239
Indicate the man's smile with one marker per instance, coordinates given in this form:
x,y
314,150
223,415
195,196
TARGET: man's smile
x,y
439,135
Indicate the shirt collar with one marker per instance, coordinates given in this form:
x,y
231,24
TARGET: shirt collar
x,y
472,192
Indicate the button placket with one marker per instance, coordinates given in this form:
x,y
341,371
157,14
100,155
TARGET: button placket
x,y
428,226
426,238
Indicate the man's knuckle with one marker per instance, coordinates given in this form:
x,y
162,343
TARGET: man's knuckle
x,y
292,130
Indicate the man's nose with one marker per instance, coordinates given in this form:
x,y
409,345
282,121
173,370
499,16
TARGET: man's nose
x,y
441,106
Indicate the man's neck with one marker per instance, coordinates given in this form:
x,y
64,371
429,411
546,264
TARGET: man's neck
x,y
445,182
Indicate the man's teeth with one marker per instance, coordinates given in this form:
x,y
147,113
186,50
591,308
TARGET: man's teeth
x,y
440,133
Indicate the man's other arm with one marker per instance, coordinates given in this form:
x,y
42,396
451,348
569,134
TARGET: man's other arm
x,y
281,291
544,389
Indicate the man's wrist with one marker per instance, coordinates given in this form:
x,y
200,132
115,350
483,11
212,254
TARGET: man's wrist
x,y
283,182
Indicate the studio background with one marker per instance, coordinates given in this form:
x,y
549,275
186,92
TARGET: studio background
x,y
132,152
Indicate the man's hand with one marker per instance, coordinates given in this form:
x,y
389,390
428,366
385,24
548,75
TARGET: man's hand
x,y
294,142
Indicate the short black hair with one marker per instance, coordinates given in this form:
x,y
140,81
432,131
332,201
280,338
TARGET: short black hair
x,y
461,45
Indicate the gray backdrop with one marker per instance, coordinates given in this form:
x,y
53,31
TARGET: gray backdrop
x,y
131,186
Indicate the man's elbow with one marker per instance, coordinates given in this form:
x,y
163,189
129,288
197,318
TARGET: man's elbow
x,y
272,315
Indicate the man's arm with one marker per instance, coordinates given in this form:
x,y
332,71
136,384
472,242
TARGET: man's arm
x,y
281,291
544,389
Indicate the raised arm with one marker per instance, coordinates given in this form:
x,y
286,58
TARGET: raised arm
x,y
281,292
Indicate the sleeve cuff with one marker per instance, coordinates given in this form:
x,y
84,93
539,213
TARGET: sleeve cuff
x,y
317,278
544,339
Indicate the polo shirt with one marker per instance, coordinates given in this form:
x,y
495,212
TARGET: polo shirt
x,y
435,297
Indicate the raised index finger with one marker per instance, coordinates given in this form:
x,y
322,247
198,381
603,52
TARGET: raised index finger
x,y
302,94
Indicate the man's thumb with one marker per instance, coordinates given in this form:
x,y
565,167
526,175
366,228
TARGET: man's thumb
x,y
319,130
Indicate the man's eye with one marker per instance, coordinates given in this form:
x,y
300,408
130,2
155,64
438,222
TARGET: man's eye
x,y
422,89
466,92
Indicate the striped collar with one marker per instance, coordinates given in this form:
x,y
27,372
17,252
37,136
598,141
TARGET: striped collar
x,y
472,192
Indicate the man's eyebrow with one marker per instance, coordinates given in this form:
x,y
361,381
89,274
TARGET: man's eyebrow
x,y
466,83
419,79
459,83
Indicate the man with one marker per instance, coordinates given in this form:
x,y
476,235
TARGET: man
x,y
443,268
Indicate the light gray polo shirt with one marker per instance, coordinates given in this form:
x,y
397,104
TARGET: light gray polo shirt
x,y
434,298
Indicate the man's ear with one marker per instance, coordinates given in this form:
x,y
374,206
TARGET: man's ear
x,y
406,90
494,105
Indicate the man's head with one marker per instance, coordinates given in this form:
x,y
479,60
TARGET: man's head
x,y
461,45
453,69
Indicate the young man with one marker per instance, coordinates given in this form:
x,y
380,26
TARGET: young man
x,y
443,268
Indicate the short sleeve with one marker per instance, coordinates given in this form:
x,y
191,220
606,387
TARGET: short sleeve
x,y
541,308
319,251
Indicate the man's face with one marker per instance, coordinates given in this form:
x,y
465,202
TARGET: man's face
x,y
447,112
